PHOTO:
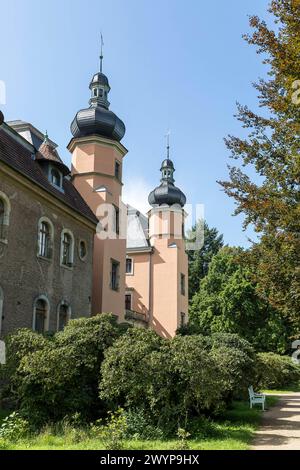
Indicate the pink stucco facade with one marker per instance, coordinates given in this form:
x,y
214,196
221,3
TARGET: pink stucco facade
x,y
94,176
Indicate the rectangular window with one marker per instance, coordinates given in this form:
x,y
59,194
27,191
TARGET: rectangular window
x,y
114,275
117,170
182,319
129,266
182,284
117,221
127,301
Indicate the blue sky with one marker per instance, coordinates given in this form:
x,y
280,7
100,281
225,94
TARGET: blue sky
x,y
171,64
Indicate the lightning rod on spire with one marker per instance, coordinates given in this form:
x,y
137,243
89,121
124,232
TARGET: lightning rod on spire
x,y
101,53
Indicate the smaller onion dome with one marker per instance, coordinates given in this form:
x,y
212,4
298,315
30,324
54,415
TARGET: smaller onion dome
x,y
167,193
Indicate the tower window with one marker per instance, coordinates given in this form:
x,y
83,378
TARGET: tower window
x,y
128,302
100,92
182,284
114,275
117,221
117,170
95,92
129,266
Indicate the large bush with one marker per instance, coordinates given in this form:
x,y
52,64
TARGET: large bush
x,y
173,380
61,378
274,371
237,360
18,345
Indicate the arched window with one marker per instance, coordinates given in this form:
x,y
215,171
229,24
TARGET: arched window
x,y
4,216
45,238
63,315
41,313
1,308
67,248
56,177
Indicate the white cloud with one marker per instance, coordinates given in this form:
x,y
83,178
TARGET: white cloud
x,y
135,192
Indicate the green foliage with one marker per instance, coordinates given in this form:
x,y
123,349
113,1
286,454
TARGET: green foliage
x,y
237,360
114,432
270,202
176,379
62,377
14,427
182,443
140,427
274,371
199,260
227,301
18,345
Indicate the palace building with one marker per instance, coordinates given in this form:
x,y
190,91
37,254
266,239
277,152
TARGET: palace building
x,y
69,246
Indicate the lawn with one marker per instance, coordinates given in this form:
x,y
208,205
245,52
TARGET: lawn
x,y
232,431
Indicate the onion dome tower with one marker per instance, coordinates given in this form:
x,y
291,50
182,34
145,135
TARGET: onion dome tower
x,y
167,193
98,119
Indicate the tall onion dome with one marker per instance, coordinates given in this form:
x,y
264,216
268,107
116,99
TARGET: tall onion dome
x,y
167,193
98,119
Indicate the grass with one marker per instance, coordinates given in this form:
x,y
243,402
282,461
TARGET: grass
x,y
233,430
291,388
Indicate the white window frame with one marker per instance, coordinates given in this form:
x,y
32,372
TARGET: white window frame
x,y
7,211
131,273
47,221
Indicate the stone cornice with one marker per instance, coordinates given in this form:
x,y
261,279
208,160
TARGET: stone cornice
x,y
95,139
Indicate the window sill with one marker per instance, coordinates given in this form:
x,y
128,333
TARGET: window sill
x,y
65,266
4,241
44,258
117,289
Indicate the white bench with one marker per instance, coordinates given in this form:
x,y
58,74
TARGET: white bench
x,y
256,398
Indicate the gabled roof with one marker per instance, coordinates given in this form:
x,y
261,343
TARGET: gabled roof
x,y
19,154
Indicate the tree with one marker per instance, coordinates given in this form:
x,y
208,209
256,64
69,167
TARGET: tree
x,y
272,147
199,260
227,301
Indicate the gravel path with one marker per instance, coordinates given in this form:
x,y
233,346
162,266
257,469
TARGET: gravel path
x,y
280,429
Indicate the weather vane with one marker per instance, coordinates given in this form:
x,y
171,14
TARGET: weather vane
x,y
167,136
101,53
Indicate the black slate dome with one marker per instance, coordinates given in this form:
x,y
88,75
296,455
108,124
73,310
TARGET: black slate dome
x,y
98,119
100,78
167,193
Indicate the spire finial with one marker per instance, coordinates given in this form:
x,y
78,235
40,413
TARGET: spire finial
x,y
168,143
101,53
46,139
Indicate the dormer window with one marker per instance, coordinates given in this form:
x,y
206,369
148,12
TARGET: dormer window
x,y
56,178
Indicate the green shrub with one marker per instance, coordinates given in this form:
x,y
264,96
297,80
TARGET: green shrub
x,y
18,345
114,432
139,426
236,358
169,380
275,371
14,427
62,378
